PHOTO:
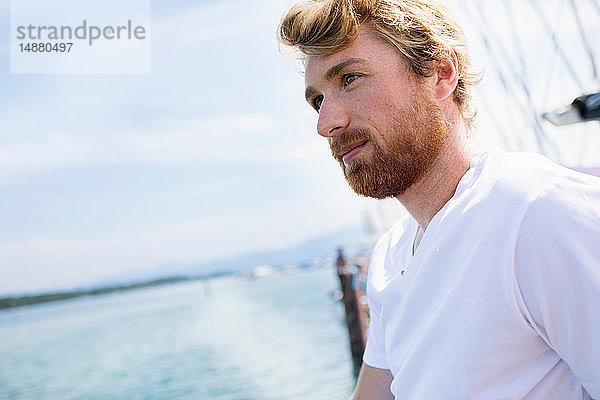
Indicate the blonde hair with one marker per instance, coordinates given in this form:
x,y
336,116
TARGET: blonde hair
x,y
421,31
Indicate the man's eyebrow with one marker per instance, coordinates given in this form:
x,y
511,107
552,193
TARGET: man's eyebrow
x,y
331,73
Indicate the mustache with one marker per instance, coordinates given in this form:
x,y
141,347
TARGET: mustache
x,y
346,138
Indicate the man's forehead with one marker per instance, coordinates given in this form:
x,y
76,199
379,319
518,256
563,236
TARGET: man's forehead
x,y
321,62
366,49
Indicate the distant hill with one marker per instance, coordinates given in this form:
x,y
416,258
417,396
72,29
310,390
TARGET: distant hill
x,y
303,254
350,239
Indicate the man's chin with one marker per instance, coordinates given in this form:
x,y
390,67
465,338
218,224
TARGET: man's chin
x,y
375,183
363,184
372,192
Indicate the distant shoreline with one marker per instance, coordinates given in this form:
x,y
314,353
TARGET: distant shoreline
x,y
28,300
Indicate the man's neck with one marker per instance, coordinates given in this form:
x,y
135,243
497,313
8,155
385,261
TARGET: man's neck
x,y
430,193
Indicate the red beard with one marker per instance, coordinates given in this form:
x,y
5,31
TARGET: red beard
x,y
412,142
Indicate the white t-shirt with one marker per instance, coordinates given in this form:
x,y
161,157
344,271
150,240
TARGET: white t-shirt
x,y
501,299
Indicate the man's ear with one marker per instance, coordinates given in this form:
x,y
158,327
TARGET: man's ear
x,y
446,74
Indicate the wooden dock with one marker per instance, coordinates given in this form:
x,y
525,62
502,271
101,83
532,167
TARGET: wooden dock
x,y
352,276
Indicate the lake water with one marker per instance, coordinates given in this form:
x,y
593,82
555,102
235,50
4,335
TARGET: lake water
x,y
279,337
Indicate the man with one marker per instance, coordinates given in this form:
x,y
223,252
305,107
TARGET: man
x,y
490,288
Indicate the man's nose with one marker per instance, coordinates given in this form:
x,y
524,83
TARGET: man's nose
x,y
333,118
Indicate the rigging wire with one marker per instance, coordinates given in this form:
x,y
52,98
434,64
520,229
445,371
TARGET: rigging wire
x,y
557,45
552,67
595,4
585,139
501,76
517,46
502,133
584,40
516,42
539,131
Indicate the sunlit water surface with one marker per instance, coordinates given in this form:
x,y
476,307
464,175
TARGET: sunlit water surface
x,y
279,337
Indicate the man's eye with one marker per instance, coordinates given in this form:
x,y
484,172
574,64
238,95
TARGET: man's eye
x,y
349,78
317,102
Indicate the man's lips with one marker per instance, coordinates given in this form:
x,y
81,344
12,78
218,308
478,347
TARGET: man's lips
x,y
351,151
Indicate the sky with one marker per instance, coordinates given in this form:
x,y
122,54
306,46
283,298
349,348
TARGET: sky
x,y
214,153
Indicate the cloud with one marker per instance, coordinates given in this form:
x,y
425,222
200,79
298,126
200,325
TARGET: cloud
x,y
239,138
194,108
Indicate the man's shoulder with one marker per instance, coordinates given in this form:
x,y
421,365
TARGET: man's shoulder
x,y
551,205
568,203
528,176
514,168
